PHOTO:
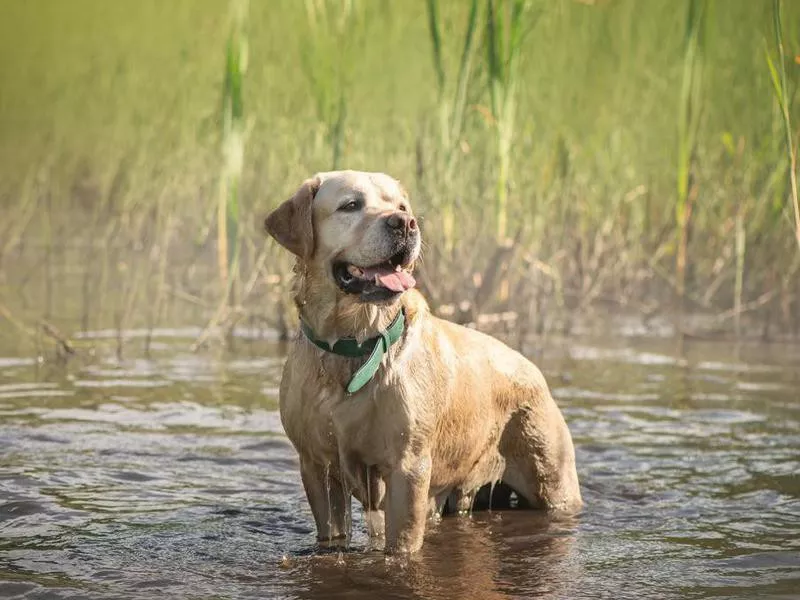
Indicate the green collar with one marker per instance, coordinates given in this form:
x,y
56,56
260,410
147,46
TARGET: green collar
x,y
376,347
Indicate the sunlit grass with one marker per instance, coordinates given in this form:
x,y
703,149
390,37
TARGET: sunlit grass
x,y
690,108
452,95
233,140
506,22
781,87
634,156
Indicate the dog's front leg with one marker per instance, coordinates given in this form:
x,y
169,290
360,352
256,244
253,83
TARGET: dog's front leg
x,y
326,496
407,502
369,488
374,505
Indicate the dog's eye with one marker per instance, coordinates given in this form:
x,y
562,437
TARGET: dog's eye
x,y
403,208
351,206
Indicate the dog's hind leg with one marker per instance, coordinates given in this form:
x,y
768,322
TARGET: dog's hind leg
x,y
329,502
439,505
460,501
540,458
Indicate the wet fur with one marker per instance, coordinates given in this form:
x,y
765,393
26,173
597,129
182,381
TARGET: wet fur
x,y
450,411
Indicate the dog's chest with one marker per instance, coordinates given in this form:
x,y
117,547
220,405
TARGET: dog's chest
x,y
373,426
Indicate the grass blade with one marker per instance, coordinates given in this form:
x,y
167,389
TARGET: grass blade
x,y
780,87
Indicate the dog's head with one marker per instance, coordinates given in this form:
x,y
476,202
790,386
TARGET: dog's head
x,y
355,229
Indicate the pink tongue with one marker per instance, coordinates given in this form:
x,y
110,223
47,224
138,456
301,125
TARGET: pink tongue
x,y
397,281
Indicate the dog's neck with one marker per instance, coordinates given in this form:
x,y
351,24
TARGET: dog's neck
x,y
333,315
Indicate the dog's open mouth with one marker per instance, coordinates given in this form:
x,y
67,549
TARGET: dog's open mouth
x,y
392,276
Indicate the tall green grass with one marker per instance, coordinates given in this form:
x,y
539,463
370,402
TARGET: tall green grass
x,y
451,98
333,35
781,88
690,110
506,21
634,155
233,141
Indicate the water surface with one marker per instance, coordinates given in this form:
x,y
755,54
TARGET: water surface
x,y
171,477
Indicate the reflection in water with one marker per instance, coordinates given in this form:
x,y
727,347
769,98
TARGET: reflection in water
x,y
491,555
172,477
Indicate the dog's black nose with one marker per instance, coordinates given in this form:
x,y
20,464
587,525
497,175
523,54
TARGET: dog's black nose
x,y
401,221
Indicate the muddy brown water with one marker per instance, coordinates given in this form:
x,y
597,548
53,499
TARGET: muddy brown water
x,y
170,477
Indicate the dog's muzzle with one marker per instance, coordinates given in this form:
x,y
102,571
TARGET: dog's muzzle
x,y
389,278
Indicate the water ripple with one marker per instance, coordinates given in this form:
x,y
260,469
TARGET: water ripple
x,y
171,476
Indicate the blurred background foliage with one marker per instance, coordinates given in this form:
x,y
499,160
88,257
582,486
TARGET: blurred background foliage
x,y
566,157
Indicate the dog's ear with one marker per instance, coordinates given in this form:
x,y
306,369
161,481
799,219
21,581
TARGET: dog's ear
x,y
290,224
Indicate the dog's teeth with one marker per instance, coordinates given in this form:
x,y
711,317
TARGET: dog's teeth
x,y
398,268
355,271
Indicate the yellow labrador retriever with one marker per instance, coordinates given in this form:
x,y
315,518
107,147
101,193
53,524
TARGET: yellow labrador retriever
x,y
387,403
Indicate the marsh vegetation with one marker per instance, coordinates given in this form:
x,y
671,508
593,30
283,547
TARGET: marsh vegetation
x,y
567,158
